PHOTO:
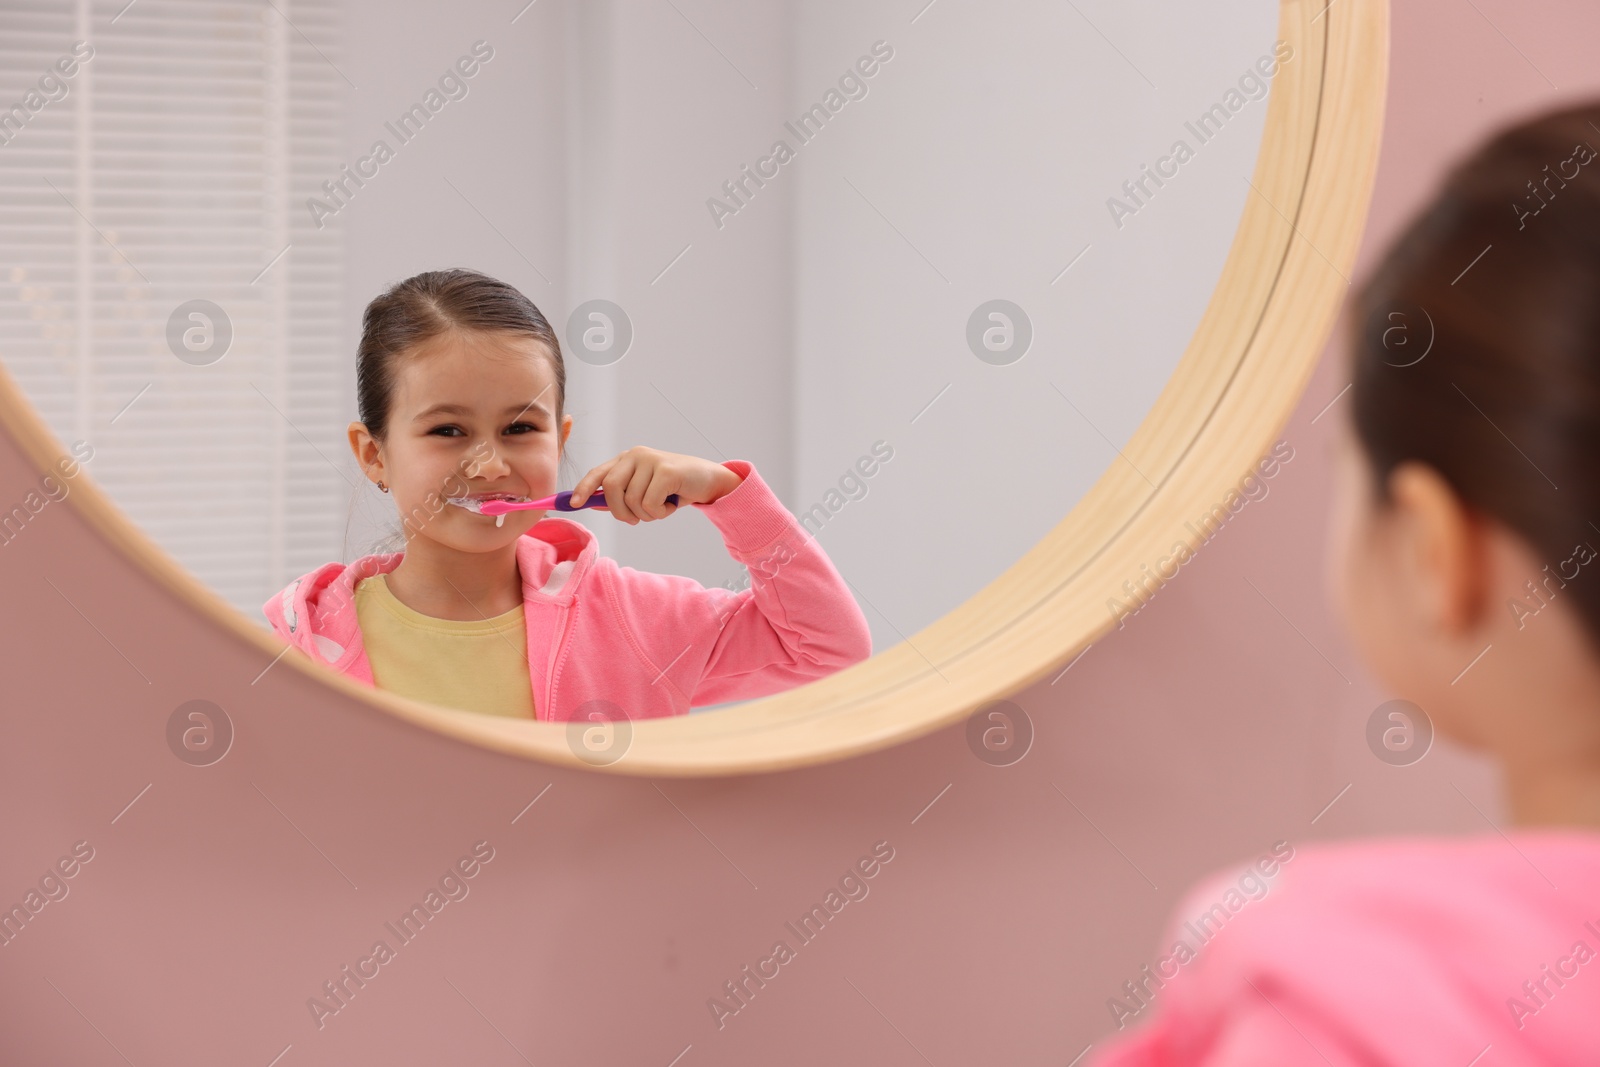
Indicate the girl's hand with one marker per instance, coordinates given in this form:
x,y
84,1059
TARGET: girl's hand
x,y
637,483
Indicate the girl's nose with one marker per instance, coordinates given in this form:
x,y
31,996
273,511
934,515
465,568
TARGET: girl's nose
x,y
490,465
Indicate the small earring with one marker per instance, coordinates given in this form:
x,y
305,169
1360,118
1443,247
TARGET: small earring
x,y
385,488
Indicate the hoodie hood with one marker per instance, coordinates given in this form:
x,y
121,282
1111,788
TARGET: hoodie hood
x,y
316,612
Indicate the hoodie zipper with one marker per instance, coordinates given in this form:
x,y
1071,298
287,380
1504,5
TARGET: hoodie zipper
x,y
555,657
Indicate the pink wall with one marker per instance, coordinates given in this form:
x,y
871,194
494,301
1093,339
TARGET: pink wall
x,y
224,896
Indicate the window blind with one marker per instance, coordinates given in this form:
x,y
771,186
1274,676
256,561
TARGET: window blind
x,y
163,172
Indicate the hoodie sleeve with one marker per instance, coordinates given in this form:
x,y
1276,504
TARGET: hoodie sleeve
x,y
1253,1032
797,621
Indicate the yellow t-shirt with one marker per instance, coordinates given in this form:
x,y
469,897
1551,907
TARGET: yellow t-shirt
x,y
476,666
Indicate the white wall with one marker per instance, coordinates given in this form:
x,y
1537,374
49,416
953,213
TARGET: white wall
x,y
987,148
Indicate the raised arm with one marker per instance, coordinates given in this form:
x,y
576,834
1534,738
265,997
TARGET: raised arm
x,y
796,622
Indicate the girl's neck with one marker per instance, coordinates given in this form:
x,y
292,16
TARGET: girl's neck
x,y
444,583
1536,709
1565,794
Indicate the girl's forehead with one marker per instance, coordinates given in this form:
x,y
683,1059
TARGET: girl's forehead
x,y
467,365
466,345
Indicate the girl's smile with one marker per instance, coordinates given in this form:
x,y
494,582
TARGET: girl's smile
x,y
470,504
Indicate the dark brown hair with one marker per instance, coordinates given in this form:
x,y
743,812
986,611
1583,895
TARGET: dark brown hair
x,y
426,305
1476,341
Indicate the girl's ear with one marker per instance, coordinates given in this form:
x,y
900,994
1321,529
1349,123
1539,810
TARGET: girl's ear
x,y
368,456
566,430
1441,548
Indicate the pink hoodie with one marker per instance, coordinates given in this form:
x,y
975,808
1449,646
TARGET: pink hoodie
x,y
651,644
1480,951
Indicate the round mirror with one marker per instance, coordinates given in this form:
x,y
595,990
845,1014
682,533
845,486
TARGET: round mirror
x,y
987,316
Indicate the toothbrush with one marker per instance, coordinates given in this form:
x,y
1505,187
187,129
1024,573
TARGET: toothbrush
x,y
560,502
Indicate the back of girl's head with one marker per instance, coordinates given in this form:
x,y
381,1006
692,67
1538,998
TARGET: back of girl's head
x,y
1476,344
427,305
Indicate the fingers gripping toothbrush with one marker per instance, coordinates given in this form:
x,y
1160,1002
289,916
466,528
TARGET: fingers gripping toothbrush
x,y
498,504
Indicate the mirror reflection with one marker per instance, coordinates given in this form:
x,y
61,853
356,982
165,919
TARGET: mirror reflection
x,y
877,291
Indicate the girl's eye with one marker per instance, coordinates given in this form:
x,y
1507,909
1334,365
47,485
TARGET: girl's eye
x,y
452,431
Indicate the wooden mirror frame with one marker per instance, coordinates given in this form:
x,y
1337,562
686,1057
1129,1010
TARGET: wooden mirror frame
x,y
1239,378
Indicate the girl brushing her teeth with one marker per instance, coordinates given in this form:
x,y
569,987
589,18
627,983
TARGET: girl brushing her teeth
x,y
461,388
